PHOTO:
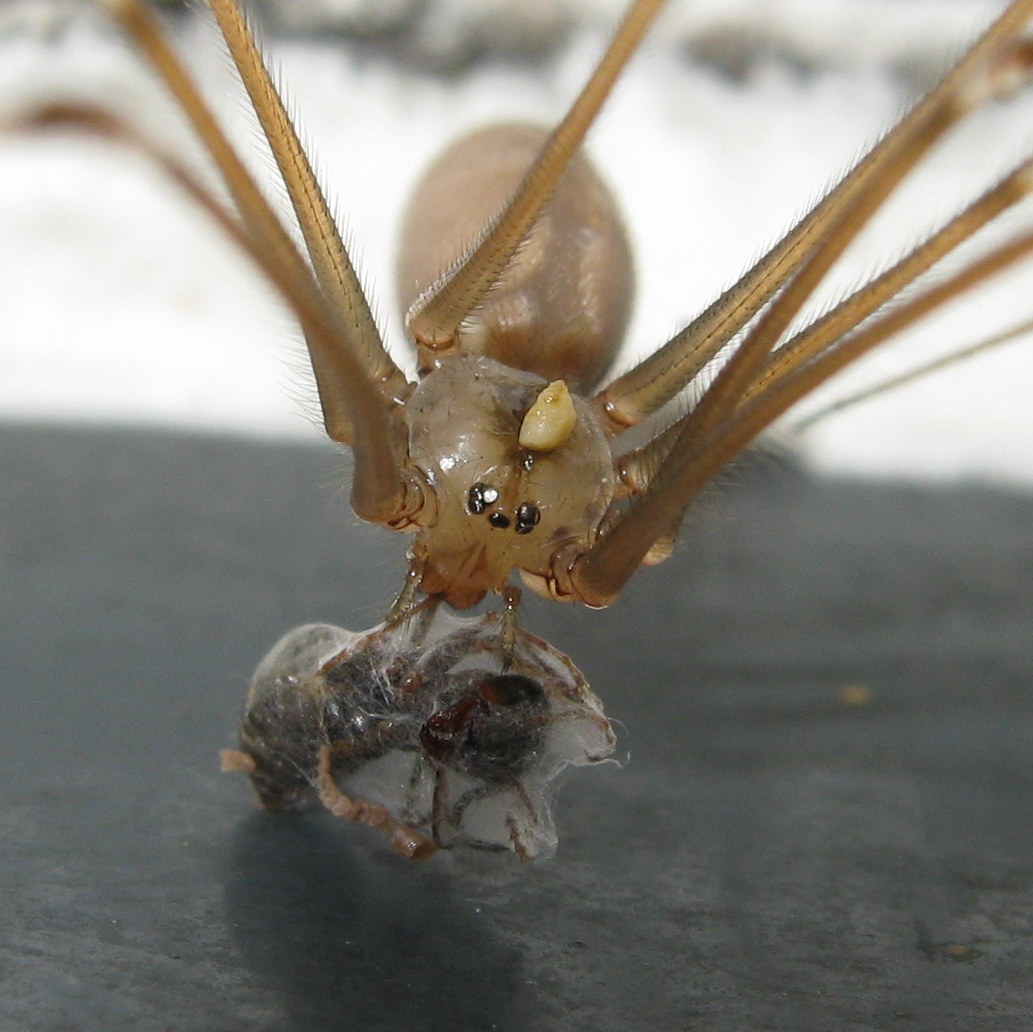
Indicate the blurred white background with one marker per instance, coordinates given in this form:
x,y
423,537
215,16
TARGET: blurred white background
x,y
120,303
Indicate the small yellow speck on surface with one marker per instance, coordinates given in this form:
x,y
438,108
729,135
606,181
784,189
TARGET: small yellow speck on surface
x,y
855,695
550,420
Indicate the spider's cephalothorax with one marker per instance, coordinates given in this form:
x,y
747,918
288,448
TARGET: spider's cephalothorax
x,y
501,502
518,463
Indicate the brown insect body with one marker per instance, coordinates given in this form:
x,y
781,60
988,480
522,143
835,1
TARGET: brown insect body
x,y
423,728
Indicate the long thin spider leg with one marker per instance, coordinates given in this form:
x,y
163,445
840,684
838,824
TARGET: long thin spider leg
x,y
435,317
726,393
778,396
637,468
333,267
596,576
814,339
379,490
730,385
989,69
963,354
141,25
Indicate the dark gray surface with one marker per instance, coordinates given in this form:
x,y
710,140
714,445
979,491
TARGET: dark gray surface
x,y
769,858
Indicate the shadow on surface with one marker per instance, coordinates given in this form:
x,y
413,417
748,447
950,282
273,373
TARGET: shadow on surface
x,y
349,941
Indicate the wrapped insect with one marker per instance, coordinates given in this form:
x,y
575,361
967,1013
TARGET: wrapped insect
x,y
435,729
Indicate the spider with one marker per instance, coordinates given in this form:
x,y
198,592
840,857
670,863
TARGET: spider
x,y
508,454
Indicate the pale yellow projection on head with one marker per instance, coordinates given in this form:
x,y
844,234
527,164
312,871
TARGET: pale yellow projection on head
x,y
550,420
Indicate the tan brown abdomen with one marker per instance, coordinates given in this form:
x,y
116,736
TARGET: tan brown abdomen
x,y
561,307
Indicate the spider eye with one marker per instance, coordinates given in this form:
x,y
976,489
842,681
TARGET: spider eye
x,y
479,497
527,516
499,519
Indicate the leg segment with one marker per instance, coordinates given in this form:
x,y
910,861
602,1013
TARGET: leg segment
x,y
435,318
356,381
333,267
997,64
403,839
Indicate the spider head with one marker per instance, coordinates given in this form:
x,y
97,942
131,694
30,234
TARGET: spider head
x,y
512,485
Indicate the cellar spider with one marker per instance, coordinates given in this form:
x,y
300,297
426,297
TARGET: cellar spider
x,y
508,454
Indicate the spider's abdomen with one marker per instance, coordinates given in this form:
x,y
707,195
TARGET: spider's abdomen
x,y
561,306
499,505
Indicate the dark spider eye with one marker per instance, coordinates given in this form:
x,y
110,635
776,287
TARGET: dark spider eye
x,y
498,519
527,517
479,497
